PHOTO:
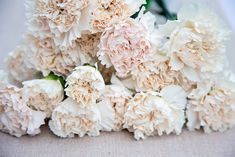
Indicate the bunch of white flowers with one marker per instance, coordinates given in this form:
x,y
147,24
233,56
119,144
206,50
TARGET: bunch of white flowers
x,y
90,66
16,118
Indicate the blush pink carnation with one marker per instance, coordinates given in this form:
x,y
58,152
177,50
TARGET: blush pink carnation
x,y
124,45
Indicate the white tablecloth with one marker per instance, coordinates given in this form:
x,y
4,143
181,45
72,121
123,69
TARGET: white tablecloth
x,y
120,144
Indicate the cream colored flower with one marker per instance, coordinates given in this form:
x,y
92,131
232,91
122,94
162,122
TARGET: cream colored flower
x,y
84,85
212,106
70,119
125,44
67,20
195,42
46,57
16,118
108,12
113,105
18,66
43,95
155,74
156,113
62,19
88,43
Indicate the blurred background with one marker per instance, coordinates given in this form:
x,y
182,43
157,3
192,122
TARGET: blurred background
x,y
12,27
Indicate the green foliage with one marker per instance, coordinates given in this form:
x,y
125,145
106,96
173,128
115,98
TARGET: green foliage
x,y
87,64
147,7
52,76
148,4
165,12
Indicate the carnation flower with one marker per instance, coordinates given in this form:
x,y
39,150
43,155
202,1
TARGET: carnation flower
x,y
43,95
88,43
156,113
62,19
18,67
125,44
155,74
70,119
112,105
108,12
173,70
212,106
16,118
195,42
46,57
67,20
84,85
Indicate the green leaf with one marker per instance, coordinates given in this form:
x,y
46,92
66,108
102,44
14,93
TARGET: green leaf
x,y
53,76
165,12
148,4
88,64
147,7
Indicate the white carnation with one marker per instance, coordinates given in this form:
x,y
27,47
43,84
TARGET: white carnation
x,y
156,113
155,74
195,42
16,118
124,45
112,105
107,12
43,95
84,85
47,57
70,119
61,19
67,20
18,66
212,106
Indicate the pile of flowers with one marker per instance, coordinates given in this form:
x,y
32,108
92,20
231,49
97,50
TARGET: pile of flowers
x,y
89,66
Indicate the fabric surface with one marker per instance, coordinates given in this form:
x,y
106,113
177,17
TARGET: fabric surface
x,y
120,144
115,144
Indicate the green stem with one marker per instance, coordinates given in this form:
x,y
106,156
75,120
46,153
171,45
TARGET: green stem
x,y
165,11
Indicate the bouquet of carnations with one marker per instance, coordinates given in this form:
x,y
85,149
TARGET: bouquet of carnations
x,y
87,66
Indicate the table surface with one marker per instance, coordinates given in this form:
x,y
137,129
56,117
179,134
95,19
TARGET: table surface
x,y
121,144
